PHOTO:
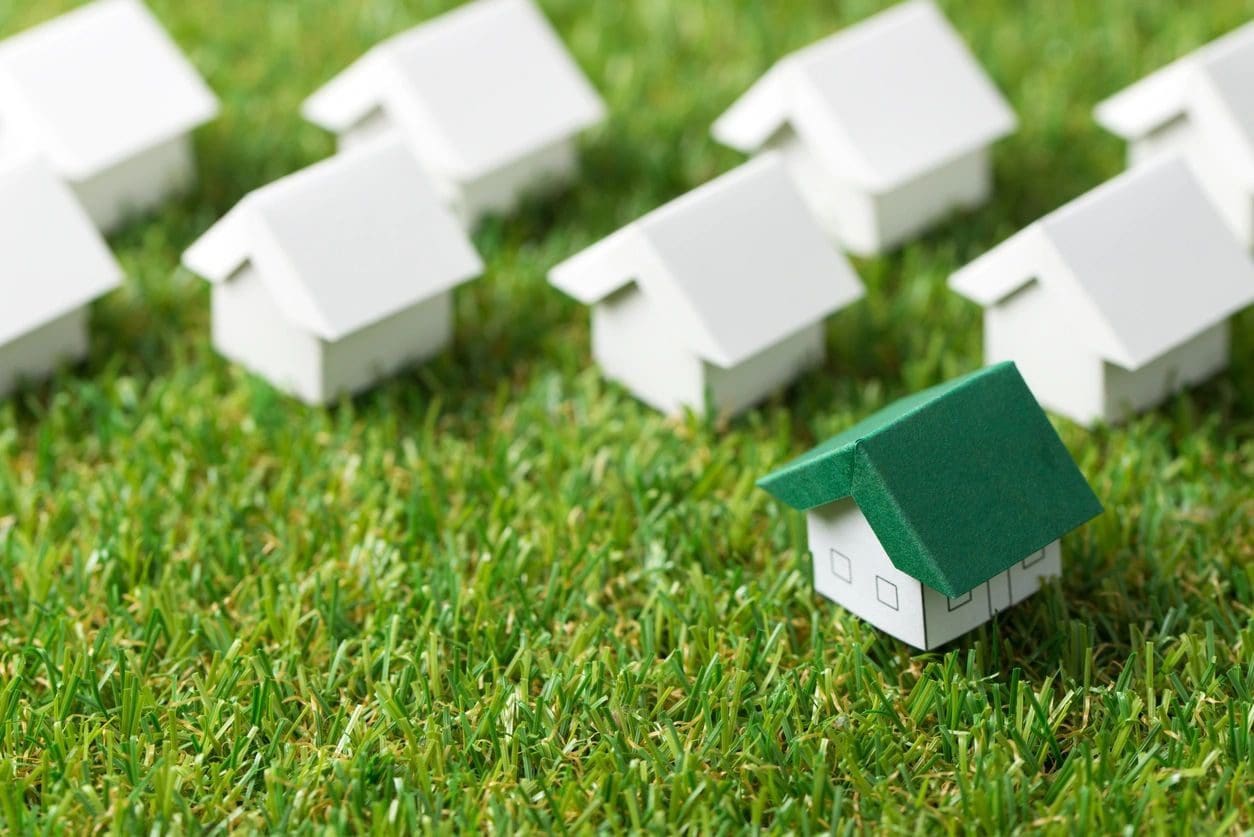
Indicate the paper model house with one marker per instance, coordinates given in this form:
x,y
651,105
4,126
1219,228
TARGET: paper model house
x,y
720,293
335,277
486,94
1203,107
941,510
1117,300
886,126
105,96
53,264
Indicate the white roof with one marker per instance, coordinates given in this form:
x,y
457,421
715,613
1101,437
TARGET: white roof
x,y
878,103
344,243
99,85
52,259
474,89
736,265
1144,262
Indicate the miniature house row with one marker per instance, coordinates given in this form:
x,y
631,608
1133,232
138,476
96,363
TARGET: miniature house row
x,y
53,264
938,512
104,96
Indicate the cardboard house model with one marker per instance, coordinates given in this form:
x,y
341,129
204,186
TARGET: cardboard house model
x,y
886,126
1203,107
105,96
486,94
722,292
332,278
53,264
1117,300
941,510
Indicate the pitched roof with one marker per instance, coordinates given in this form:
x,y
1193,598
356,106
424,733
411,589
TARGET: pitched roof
x,y
1221,71
880,102
1144,262
98,85
736,265
344,243
958,482
474,89
52,259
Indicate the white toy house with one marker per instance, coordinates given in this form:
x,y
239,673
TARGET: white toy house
x,y
1201,106
487,95
53,264
940,511
722,292
105,96
332,278
886,126
1118,299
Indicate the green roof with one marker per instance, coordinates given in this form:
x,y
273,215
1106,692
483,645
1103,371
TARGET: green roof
x,y
958,482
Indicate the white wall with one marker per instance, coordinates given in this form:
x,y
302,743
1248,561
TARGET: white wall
x,y
1064,375
251,330
852,569
495,193
867,224
736,389
634,347
843,210
909,210
1128,393
139,184
38,353
360,360
1180,136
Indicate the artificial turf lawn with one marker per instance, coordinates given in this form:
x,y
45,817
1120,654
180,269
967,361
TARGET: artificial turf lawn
x,y
498,592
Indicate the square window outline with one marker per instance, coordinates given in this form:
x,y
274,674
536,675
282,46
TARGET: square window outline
x,y
954,604
1033,559
896,602
848,576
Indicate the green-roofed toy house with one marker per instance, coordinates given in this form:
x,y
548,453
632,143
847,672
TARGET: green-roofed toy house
x,y
941,510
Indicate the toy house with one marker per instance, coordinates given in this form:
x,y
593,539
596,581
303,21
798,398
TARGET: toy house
x,y
487,95
1117,300
941,510
886,126
720,293
1201,106
335,277
53,264
105,96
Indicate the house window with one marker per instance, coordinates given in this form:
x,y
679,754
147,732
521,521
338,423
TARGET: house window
x,y
886,592
1034,559
842,568
954,604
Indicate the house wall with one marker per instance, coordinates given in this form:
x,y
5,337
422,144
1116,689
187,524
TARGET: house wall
x,y
852,569
1128,392
250,329
845,212
497,192
735,389
38,353
633,347
907,211
139,184
1234,201
949,618
1029,327
867,224
362,359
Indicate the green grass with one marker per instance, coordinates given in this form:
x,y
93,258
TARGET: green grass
x,y
499,593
